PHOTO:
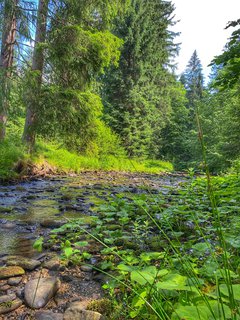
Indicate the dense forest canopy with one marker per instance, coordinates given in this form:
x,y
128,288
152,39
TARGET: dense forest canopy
x,y
94,125
98,78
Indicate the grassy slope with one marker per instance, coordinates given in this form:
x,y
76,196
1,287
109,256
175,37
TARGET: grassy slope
x,y
70,162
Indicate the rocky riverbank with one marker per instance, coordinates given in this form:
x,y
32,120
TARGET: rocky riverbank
x,y
41,286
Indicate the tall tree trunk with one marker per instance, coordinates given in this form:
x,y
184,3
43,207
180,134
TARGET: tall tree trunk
x,y
29,133
6,60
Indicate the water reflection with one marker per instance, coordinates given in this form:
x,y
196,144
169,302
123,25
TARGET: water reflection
x,y
16,243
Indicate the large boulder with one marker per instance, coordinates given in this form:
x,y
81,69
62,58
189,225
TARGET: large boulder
x,y
38,292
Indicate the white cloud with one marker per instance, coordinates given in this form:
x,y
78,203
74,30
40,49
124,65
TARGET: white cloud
x,y
202,24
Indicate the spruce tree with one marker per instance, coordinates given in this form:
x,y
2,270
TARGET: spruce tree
x,y
192,79
136,95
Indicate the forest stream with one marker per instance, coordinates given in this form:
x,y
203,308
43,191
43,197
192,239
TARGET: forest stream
x,y
32,209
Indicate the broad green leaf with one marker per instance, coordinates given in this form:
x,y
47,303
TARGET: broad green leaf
x,y
124,267
191,313
173,282
68,252
148,256
235,289
81,243
67,244
134,313
147,275
212,311
139,300
38,244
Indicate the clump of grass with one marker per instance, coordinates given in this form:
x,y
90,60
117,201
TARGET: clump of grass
x,y
11,152
65,160
103,306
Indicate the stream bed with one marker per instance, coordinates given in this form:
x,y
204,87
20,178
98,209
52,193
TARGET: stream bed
x,y
30,209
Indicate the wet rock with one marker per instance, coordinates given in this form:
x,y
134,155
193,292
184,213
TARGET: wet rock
x,y
37,292
14,281
20,293
11,271
5,288
5,209
8,297
9,303
103,306
52,264
51,223
113,227
76,311
48,315
86,268
9,225
25,263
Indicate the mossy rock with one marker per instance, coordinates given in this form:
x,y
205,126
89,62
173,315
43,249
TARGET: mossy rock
x,y
103,306
113,227
11,271
5,209
126,243
67,196
156,243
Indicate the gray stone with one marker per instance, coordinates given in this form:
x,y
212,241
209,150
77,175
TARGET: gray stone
x,y
5,288
10,305
38,292
51,223
86,268
14,281
48,315
7,298
76,311
25,263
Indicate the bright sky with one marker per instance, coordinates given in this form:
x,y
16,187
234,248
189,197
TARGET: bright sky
x,y
202,24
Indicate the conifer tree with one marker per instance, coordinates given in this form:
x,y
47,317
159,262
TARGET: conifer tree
x,y
136,94
192,79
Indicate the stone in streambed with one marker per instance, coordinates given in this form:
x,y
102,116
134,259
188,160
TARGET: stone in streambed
x,y
14,281
52,264
51,223
8,297
11,271
25,263
9,303
37,292
48,315
76,311
86,268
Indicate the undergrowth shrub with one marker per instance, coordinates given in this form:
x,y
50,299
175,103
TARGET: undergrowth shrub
x,y
10,153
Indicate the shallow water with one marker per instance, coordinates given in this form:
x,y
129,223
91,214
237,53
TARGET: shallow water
x,y
26,205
